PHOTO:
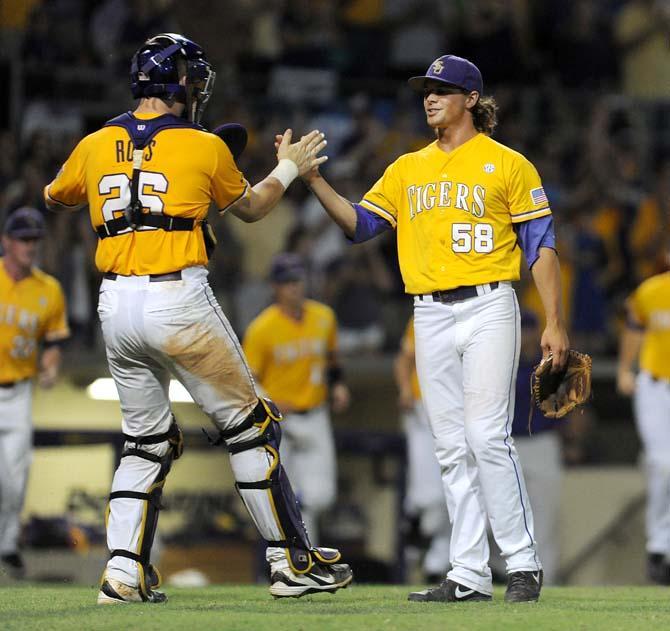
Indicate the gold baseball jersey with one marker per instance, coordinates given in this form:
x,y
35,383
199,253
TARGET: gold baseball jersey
x,y
289,357
31,310
407,344
454,212
183,171
650,304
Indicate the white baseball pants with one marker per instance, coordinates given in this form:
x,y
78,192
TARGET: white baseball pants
x,y
152,329
467,356
652,414
16,450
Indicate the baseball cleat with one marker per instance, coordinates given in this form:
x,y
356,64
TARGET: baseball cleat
x,y
12,564
448,592
114,592
321,578
658,569
524,587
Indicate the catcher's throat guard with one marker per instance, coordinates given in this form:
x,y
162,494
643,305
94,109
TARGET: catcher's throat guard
x,y
558,393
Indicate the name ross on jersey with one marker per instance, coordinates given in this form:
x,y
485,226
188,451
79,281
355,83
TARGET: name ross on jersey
x,y
446,194
124,151
299,349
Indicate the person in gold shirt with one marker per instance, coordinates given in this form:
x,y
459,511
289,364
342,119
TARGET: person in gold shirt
x,y
148,178
291,348
646,336
32,326
464,208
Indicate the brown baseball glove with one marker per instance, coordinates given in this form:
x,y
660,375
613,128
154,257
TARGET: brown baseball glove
x,y
558,393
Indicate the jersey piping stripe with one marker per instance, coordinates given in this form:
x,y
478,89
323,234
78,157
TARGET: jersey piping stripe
x,y
237,199
53,199
531,214
380,211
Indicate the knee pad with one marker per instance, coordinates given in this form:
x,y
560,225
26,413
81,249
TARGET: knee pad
x,y
265,489
149,576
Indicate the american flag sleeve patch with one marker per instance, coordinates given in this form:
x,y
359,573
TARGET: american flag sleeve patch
x,y
538,196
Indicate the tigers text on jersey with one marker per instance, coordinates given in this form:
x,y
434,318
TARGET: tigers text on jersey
x,y
650,304
289,356
454,212
407,344
183,171
31,310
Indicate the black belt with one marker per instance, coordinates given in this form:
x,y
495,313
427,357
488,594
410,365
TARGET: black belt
x,y
459,293
153,278
8,384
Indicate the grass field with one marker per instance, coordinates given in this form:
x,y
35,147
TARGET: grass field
x,y
368,607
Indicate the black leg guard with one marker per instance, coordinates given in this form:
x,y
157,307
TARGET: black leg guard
x,y
150,577
265,488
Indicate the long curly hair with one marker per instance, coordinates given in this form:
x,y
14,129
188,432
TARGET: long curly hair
x,y
485,115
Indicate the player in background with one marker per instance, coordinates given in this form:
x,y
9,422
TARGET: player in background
x,y
148,178
291,348
464,209
32,326
424,497
646,336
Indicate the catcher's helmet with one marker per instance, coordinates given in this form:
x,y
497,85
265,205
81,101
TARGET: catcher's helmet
x,y
158,67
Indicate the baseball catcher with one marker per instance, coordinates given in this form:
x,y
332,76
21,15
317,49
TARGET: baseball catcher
x,y
558,393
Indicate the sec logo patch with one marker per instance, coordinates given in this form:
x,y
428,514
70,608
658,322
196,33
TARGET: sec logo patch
x,y
489,168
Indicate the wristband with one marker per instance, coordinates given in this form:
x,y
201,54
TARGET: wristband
x,y
286,171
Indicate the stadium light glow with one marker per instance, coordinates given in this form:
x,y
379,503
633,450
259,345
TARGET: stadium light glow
x,y
104,390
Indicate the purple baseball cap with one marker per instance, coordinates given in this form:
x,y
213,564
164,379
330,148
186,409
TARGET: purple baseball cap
x,y
25,223
452,70
287,267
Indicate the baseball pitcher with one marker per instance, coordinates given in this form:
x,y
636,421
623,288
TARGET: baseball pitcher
x,y
464,208
148,177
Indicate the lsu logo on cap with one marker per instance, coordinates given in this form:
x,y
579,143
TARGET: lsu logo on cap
x,y
438,67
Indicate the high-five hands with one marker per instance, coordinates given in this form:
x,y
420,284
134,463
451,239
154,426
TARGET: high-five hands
x,y
304,152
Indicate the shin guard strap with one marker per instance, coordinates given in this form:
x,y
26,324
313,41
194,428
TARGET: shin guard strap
x,y
127,554
259,441
142,454
261,485
135,495
154,439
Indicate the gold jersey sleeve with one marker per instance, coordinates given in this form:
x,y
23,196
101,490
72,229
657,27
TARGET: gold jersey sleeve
x,y
184,170
454,212
289,357
650,304
407,344
31,311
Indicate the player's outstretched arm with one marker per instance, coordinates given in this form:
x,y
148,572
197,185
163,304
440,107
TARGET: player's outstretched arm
x,y
547,276
339,208
293,159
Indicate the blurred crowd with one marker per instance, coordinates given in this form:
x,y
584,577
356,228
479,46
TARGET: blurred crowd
x,y
583,89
